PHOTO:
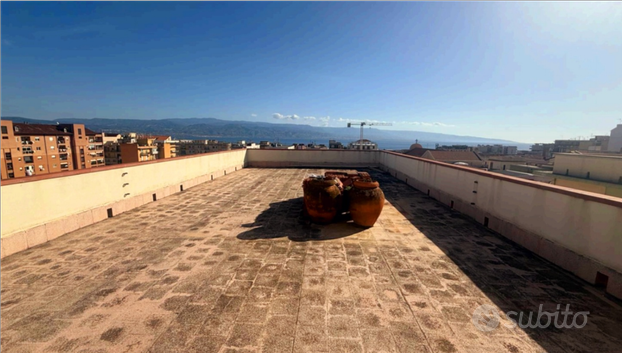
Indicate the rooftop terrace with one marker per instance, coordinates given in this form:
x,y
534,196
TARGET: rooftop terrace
x,y
231,266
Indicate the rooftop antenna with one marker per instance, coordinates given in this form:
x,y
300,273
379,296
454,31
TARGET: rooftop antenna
x,y
362,123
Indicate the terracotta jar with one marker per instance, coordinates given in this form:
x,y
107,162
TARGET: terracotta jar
x,y
346,177
366,202
322,197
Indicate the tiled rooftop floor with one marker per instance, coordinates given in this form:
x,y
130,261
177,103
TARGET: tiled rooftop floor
x,y
224,267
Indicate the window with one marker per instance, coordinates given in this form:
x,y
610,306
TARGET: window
x,y
38,148
54,165
9,166
37,138
18,148
588,175
51,147
7,155
51,139
20,168
38,157
11,175
28,159
4,130
53,156
79,131
40,167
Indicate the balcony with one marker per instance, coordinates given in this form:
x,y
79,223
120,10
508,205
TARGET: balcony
x,y
232,263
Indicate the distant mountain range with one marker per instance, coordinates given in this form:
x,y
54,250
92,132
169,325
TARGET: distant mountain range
x,y
198,128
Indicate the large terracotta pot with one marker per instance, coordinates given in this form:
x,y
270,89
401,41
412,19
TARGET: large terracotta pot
x,y
347,178
366,202
322,198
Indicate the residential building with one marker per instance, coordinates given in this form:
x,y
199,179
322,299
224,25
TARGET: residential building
x,y
544,150
190,147
244,144
363,144
167,147
453,147
562,146
111,137
142,151
595,144
615,140
496,149
112,153
600,173
266,145
454,157
510,150
334,144
35,149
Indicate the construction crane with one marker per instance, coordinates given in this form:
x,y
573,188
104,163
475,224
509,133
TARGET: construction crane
x,y
368,124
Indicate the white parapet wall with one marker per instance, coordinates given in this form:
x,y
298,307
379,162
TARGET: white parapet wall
x,y
577,230
41,208
280,158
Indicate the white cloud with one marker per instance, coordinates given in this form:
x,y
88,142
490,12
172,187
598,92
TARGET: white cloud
x,y
285,117
325,120
422,123
254,115
309,118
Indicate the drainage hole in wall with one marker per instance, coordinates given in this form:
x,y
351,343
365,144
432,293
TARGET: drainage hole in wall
x,y
601,280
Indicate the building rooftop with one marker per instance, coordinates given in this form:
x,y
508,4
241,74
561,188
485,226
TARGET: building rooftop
x,y
231,266
39,129
454,155
417,152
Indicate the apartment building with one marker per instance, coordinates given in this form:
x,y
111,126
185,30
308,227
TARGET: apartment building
x,y
36,149
144,149
190,147
363,144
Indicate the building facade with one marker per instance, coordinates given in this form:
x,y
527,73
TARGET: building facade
x,y
36,149
615,140
190,147
363,144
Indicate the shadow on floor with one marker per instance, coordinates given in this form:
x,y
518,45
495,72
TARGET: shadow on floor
x,y
511,276
287,219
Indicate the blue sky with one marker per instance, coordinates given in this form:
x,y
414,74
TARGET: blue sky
x,y
528,72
